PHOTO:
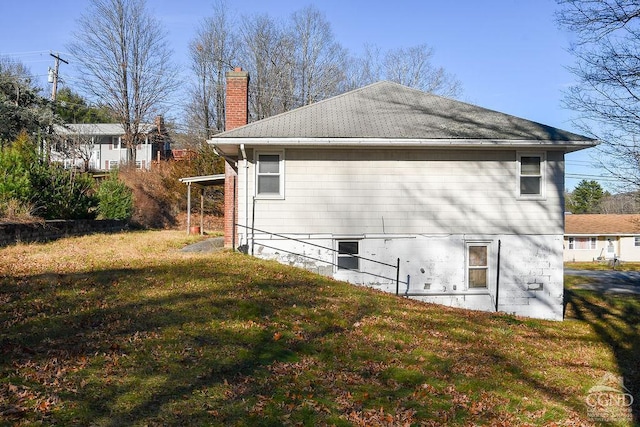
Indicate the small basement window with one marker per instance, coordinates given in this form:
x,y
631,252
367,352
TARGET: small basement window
x,y
348,255
477,265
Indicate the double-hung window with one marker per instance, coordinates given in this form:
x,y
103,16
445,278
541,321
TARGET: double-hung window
x,y
477,265
270,175
531,175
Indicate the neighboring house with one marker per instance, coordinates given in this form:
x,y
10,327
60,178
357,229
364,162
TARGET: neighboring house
x,y
468,202
601,237
101,146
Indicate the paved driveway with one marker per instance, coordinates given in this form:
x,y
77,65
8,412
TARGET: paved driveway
x,y
610,281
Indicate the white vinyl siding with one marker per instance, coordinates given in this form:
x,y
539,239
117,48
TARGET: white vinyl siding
x,y
345,191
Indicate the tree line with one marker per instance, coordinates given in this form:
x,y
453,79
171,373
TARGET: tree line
x,y
292,62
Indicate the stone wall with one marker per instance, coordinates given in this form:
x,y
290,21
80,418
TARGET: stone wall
x,y
11,233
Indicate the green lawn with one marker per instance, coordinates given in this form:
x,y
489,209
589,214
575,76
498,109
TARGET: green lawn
x,y
124,329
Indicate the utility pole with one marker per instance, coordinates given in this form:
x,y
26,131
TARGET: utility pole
x,y
53,75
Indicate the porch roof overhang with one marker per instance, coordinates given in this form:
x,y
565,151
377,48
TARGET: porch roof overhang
x,y
204,180
201,182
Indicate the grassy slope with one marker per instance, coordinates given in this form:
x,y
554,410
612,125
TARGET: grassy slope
x,y
126,330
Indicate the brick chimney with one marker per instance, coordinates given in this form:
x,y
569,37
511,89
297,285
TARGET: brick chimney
x,y
236,115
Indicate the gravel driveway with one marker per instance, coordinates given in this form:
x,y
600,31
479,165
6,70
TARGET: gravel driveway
x,y
610,281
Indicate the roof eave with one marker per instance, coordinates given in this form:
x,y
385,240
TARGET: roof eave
x,y
229,146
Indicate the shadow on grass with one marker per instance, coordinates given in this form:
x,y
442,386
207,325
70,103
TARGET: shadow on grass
x,y
616,321
131,346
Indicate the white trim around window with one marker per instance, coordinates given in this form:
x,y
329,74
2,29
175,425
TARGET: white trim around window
x,y
478,257
347,254
531,175
583,243
269,177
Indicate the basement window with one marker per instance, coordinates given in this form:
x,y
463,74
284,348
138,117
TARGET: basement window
x,y
531,168
477,265
348,255
270,175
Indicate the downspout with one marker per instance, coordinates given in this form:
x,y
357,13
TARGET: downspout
x,y
498,274
246,192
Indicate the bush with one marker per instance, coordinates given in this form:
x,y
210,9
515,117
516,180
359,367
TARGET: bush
x,y
62,194
115,199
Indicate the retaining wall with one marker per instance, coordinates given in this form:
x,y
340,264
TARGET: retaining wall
x,y
11,233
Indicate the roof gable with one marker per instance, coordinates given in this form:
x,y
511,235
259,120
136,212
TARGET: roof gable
x,y
387,110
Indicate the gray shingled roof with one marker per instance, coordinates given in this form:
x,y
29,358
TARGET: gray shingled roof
x,y
387,110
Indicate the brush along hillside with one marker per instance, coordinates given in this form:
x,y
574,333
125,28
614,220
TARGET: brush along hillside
x,y
126,329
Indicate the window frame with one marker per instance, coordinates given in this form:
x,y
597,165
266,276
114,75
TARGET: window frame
x,y
542,176
280,174
487,267
592,243
347,255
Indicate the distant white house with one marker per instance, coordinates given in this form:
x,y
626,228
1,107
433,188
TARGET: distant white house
x,y
602,237
101,147
466,201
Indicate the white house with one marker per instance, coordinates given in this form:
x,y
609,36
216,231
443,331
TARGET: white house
x,y
462,204
602,237
101,146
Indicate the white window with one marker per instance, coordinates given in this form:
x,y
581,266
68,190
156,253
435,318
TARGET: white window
x,y
270,175
531,175
582,243
348,255
477,265
637,241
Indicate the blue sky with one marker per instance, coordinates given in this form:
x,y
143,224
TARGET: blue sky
x,y
509,54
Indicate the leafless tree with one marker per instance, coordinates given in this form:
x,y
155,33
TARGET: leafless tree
x,y
320,60
268,52
213,51
125,62
411,66
623,203
607,68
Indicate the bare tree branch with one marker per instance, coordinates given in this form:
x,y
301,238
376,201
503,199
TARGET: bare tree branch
x,y
126,63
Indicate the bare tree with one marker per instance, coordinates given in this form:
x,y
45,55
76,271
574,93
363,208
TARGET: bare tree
x,y
365,69
213,50
320,60
125,62
607,92
268,52
412,66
